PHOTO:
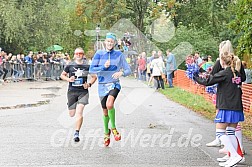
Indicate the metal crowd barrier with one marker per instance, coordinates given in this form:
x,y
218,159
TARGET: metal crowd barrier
x,y
36,71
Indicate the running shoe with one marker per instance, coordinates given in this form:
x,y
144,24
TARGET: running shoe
x,y
76,137
223,159
232,161
116,134
107,139
215,143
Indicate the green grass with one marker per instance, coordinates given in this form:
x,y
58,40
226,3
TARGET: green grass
x,y
198,104
247,126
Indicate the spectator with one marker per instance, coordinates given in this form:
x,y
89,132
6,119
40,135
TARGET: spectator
x,y
28,61
197,58
158,68
151,77
207,64
248,73
171,66
142,67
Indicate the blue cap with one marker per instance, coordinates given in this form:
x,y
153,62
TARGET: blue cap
x,y
111,35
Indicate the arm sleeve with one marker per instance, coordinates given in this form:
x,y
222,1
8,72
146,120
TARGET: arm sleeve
x,y
66,69
213,79
169,59
95,67
25,59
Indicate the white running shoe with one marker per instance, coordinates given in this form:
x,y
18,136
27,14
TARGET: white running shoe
x,y
242,161
215,143
224,164
223,159
232,161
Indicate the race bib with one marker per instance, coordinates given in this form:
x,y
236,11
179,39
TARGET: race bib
x,y
78,82
107,87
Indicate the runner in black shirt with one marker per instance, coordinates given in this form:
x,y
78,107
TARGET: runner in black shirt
x,y
76,74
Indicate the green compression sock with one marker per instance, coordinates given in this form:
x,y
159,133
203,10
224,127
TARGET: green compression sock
x,y
111,114
106,121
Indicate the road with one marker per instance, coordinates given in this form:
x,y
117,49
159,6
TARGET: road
x,y
37,131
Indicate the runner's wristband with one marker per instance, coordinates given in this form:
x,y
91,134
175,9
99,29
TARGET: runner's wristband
x,y
89,84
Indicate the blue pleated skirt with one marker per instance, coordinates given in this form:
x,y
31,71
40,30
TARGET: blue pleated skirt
x,y
229,116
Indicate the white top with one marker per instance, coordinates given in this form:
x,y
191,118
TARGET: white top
x,y
158,66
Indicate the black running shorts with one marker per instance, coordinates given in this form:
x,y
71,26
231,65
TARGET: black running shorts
x,y
114,92
76,97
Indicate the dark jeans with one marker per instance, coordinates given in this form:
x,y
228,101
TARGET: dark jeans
x,y
3,71
170,78
142,75
29,71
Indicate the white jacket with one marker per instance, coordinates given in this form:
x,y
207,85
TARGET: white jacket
x,y
158,67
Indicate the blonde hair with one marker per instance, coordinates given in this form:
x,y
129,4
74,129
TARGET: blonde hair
x,y
237,63
226,46
244,64
231,60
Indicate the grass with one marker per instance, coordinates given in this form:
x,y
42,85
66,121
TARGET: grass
x,y
205,108
247,125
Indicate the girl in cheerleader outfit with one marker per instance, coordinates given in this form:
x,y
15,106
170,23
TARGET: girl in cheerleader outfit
x,y
229,103
226,46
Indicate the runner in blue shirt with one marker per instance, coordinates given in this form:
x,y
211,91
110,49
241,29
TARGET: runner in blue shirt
x,y
109,65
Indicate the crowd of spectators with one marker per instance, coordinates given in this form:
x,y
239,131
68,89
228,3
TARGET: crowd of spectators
x,y
33,66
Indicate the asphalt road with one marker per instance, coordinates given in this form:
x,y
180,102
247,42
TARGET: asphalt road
x,y
35,129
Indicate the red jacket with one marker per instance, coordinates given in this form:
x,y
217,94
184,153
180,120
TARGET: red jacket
x,y
142,64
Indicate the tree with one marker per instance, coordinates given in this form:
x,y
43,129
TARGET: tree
x,y
31,24
138,10
242,25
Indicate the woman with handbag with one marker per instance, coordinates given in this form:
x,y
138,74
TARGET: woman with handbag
x,y
158,66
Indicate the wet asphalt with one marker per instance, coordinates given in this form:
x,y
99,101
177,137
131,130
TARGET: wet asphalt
x,y
35,129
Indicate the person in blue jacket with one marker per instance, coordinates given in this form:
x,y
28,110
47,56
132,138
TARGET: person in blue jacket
x,y
171,66
109,65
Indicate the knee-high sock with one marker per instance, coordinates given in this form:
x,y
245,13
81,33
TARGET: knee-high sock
x,y
220,132
238,134
230,141
105,122
234,140
111,114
